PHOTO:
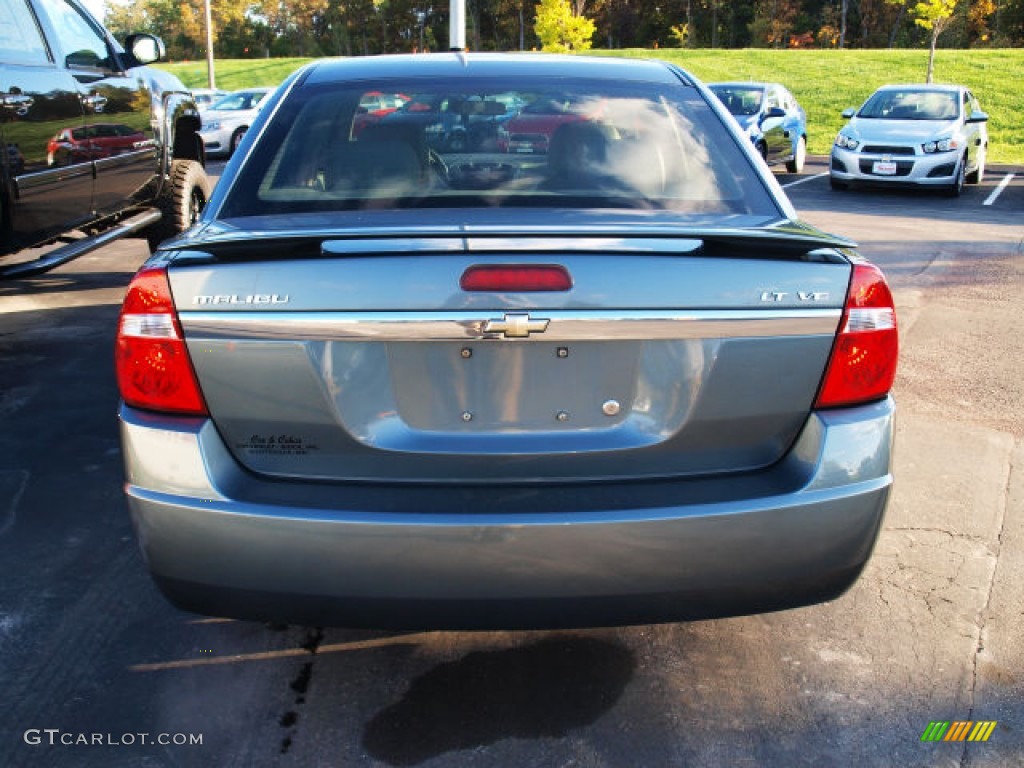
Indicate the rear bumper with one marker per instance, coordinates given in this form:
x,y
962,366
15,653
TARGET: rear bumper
x,y
221,541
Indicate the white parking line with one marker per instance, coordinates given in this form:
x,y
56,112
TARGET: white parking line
x,y
999,190
808,178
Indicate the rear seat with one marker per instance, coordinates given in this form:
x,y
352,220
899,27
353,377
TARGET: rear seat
x,y
385,168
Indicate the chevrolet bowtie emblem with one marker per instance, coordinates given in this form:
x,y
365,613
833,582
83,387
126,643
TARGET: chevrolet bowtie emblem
x,y
516,326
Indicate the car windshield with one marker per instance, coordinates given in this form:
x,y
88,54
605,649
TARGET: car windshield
x,y
606,145
911,105
234,102
739,100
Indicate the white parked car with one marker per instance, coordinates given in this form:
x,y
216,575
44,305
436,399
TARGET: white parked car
x,y
225,123
926,135
207,97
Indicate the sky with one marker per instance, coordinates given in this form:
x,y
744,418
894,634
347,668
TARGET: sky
x,y
95,8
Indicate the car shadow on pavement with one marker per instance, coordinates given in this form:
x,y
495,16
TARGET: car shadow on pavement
x,y
542,690
63,282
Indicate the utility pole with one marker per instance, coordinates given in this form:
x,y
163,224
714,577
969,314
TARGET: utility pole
x,y
522,40
844,8
210,78
456,25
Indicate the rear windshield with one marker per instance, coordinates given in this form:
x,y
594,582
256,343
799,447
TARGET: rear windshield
x,y
558,143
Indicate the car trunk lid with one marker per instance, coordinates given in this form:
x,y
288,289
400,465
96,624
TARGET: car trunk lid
x,y
363,359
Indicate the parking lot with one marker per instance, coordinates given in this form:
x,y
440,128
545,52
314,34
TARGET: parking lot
x,y
933,631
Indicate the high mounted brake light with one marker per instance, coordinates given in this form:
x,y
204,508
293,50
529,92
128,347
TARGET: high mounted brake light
x,y
863,362
152,363
516,278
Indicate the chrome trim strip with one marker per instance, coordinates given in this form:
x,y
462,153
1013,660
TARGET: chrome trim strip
x,y
42,179
461,326
499,244
361,246
126,158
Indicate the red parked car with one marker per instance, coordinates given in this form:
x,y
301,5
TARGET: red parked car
x,y
373,106
530,131
93,142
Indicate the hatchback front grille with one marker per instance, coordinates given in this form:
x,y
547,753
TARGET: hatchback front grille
x,y
881,149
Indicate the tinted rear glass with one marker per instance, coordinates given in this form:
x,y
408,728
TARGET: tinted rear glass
x,y
556,143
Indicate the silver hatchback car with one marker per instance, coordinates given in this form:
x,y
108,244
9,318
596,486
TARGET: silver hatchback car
x,y
388,385
226,120
913,135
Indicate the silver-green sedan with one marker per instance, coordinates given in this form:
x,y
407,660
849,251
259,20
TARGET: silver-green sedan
x,y
384,383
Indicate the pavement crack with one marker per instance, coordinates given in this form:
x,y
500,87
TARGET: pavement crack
x,y
979,636
923,529
943,531
17,479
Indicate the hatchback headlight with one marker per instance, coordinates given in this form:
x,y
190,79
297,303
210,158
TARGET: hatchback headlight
x,y
845,142
945,145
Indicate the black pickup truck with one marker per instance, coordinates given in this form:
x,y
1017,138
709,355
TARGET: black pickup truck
x,y
98,146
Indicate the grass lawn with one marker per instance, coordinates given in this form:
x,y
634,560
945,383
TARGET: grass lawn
x,y
825,82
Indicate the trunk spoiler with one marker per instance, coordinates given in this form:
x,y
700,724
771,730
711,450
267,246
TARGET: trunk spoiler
x,y
792,241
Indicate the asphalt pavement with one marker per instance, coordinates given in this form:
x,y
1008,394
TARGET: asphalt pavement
x,y
98,670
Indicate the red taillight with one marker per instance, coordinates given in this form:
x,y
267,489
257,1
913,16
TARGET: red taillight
x,y
516,278
863,362
152,364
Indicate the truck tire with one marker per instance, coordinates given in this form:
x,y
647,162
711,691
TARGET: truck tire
x,y
183,198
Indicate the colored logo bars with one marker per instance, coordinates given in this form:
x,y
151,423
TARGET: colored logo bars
x,y
959,730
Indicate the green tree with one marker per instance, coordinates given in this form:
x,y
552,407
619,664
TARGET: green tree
x,y
978,16
181,23
122,20
244,28
933,15
773,22
559,29
293,23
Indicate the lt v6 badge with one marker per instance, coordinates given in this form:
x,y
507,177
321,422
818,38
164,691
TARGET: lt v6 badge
x,y
800,295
